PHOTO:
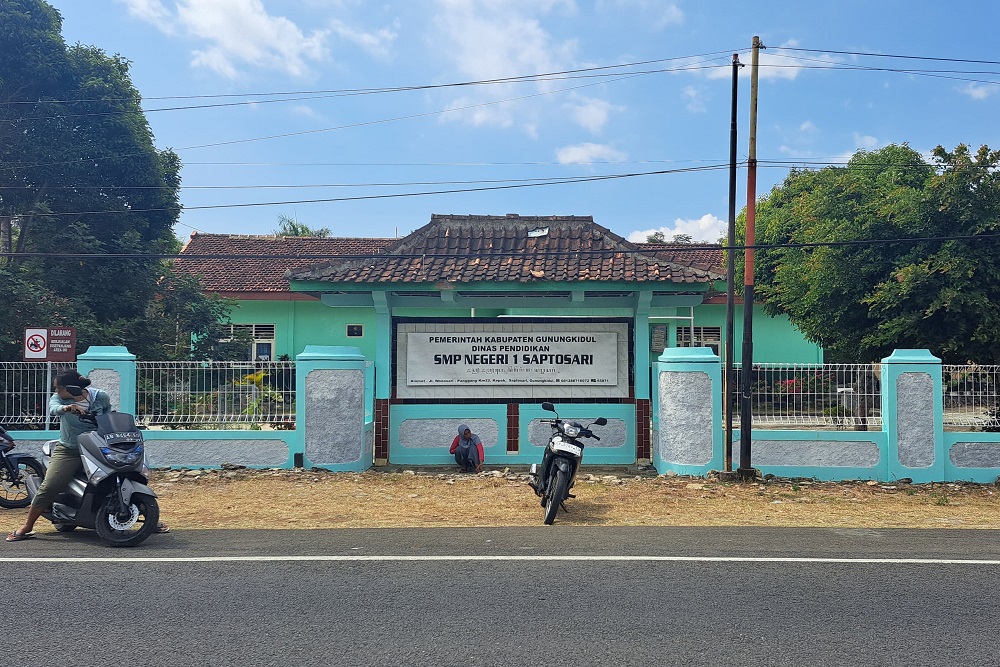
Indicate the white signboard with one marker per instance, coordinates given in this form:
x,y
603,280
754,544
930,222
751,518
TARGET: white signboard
x,y
567,358
36,344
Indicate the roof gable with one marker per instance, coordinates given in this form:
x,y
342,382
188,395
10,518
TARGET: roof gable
x,y
512,248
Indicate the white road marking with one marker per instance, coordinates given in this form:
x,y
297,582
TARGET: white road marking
x,y
501,558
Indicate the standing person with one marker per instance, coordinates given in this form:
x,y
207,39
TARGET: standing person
x,y
468,450
66,462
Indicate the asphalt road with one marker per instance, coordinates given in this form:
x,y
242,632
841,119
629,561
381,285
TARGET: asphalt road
x,y
551,596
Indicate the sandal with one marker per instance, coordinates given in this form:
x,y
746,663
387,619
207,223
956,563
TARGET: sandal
x,y
17,537
162,528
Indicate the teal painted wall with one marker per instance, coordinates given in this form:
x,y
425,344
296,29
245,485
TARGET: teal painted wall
x,y
775,339
301,323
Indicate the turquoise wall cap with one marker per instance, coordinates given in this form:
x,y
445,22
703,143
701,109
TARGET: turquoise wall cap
x,y
700,355
330,352
107,353
911,357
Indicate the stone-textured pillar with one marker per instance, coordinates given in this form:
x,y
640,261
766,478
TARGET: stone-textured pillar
x,y
113,369
689,439
334,422
912,415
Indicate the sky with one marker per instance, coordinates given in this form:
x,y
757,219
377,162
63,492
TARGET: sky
x,y
366,117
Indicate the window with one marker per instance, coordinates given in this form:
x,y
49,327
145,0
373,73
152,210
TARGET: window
x,y
262,340
700,337
355,330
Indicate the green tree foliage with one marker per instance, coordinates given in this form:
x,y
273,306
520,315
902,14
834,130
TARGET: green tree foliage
x,y
80,174
861,300
291,227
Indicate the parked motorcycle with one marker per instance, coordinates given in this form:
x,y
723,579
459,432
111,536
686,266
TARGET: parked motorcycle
x,y
15,468
560,463
110,495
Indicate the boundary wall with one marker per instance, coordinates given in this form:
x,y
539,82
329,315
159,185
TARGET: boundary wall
x,y
335,425
688,435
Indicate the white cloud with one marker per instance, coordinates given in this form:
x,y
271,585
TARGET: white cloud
x,y
376,43
865,141
234,35
695,99
808,126
591,113
494,39
978,91
241,31
587,153
707,228
305,111
151,11
657,14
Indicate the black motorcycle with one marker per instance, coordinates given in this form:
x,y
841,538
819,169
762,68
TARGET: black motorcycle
x,y
110,494
15,468
560,463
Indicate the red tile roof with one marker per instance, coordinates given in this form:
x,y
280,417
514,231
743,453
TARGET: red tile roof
x,y
452,248
238,263
512,248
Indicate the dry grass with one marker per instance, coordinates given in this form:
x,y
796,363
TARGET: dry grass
x,y
308,499
303,499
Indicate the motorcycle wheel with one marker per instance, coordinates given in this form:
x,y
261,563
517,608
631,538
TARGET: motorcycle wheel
x,y
144,513
14,492
557,494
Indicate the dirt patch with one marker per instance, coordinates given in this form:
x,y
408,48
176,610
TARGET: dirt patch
x,y
299,499
320,499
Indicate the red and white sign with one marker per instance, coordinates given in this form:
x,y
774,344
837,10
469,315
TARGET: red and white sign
x,y
52,344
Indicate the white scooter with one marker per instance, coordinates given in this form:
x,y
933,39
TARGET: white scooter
x,y
111,494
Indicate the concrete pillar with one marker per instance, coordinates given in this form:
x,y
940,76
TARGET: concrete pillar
x,y
689,439
113,369
334,423
912,407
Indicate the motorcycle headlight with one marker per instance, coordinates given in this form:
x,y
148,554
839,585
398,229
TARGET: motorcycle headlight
x,y
572,430
118,457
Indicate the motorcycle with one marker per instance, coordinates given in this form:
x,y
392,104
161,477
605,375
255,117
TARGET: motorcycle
x,y
110,494
560,463
15,468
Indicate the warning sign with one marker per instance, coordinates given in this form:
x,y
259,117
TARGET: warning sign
x,y
53,344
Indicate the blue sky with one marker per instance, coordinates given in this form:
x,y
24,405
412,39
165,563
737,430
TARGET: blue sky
x,y
281,68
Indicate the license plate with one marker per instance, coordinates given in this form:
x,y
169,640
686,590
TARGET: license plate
x,y
568,448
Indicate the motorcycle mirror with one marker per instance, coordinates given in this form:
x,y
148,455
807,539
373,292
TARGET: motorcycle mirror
x,y
601,421
73,390
548,407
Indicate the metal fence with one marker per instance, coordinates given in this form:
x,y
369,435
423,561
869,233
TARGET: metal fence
x,y
191,394
839,396
25,388
970,396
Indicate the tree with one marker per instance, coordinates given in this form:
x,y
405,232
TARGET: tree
x,y
291,227
656,237
878,285
80,175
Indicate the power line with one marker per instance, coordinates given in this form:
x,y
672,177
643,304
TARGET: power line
x,y
659,249
556,181
312,94
888,55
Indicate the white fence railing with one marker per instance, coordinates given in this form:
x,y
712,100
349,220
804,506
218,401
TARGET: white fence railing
x,y
841,396
25,388
209,394
970,396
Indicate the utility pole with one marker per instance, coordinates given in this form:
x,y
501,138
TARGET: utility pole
x,y
746,470
727,378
